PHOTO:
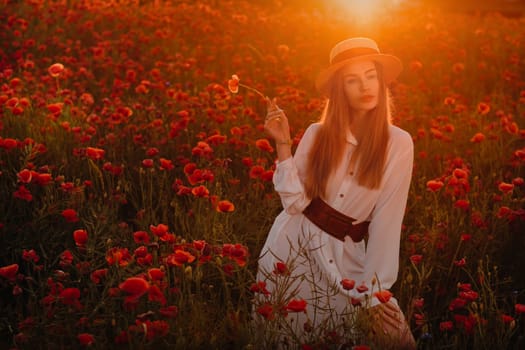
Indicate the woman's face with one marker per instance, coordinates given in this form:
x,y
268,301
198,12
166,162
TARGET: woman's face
x,y
361,85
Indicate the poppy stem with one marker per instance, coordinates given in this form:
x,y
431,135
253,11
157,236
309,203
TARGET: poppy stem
x,y
253,89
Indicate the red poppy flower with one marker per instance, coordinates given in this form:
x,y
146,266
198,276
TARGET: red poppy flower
x,y
141,237
118,256
469,295
80,237
30,255
520,308
225,206
86,339
259,287
69,296
236,252
281,268
95,153
155,294
266,310
136,286
383,296
159,230
462,204
166,164
416,258
179,258
147,163
483,108
25,176
97,275
348,284
56,69
505,187
200,191
55,108
446,326
233,84
362,288
296,305
477,138
434,185
507,319
156,274
256,171
23,193
9,271
70,215
264,145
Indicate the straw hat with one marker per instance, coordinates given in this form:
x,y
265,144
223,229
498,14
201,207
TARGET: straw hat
x,y
354,49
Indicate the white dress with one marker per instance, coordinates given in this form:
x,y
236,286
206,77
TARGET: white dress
x,y
322,261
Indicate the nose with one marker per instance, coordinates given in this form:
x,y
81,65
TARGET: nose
x,y
363,84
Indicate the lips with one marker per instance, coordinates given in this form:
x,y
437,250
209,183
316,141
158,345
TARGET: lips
x,y
366,98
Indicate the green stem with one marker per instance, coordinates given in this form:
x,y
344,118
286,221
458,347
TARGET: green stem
x,y
254,90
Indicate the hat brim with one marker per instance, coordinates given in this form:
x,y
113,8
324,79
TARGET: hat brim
x,y
392,67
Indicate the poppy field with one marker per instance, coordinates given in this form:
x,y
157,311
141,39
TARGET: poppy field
x,y
136,187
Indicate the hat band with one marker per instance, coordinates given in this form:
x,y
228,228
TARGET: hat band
x,y
352,53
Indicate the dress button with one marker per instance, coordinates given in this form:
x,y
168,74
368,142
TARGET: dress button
x,y
330,261
351,173
341,195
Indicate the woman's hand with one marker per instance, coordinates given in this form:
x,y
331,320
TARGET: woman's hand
x,y
389,323
276,124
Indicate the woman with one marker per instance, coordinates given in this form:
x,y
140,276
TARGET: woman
x,y
344,193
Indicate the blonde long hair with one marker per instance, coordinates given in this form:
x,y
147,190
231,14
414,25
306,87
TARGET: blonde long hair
x,y
327,150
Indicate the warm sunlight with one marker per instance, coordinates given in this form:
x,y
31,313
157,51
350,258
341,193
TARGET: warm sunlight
x,y
364,11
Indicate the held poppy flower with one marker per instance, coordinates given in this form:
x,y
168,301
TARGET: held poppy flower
x,y
234,83
362,288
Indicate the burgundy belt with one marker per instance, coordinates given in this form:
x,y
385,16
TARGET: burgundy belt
x,y
334,222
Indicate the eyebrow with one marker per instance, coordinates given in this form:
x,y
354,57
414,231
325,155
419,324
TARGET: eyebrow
x,y
352,74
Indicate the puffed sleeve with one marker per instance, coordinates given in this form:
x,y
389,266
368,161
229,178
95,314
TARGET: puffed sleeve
x,y
289,175
382,250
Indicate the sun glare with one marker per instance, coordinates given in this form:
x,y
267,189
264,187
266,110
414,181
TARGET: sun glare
x,y
364,11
